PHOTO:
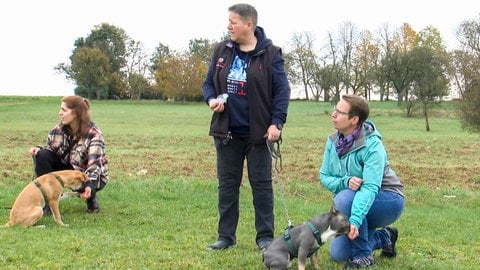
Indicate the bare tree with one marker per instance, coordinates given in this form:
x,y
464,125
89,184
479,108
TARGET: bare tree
x,y
301,61
347,39
136,66
335,69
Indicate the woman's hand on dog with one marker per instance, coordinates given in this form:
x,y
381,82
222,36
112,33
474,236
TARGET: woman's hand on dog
x,y
33,151
353,233
87,193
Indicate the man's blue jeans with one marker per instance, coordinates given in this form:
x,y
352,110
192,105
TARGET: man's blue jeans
x,y
386,209
230,161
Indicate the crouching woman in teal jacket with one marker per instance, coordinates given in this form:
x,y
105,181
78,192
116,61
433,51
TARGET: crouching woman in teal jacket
x,y
356,169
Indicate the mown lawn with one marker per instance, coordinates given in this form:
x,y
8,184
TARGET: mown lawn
x,y
159,210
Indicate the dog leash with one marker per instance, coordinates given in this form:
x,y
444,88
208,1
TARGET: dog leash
x,y
64,195
274,149
34,161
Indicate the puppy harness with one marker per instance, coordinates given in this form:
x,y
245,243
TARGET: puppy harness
x,y
37,184
291,246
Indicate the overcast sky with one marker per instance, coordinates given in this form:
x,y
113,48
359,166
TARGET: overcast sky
x,y
37,35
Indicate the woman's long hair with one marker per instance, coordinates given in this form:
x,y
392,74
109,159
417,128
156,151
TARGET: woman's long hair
x,y
81,108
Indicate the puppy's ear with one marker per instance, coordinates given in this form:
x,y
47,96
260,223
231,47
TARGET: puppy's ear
x,y
333,209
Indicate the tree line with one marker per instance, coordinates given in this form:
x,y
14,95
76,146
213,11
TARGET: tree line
x,y
413,68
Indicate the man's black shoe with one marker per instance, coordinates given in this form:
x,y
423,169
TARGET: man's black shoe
x,y
263,244
390,251
220,244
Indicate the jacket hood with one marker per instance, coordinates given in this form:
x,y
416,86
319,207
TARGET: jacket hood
x,y
370,129
262,40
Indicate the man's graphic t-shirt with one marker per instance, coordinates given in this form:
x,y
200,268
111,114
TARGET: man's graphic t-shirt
x,y
237,97
237,77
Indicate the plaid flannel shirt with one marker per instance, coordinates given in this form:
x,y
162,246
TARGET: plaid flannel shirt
x,y
86,155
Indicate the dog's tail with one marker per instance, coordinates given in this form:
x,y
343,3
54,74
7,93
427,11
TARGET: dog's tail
x,y
6,225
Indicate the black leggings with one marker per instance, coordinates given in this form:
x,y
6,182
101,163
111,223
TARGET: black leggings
x,y
48,161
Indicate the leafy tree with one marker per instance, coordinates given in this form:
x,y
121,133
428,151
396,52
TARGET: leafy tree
x,y
329,80
469,109
139,86
466,67
110,41
180,77
398,61
398,71
194,75
202,49
430,80
363,65
161,52
89,65
166,76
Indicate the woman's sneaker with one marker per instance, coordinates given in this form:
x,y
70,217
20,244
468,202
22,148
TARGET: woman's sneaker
x,y
360,263
92,205
46,210
390,251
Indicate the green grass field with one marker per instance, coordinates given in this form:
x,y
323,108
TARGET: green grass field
x,y
159,209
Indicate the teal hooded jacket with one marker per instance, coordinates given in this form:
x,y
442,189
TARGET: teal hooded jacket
x,y
366,159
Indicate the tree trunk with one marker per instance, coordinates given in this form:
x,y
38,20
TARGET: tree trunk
x,y
425,113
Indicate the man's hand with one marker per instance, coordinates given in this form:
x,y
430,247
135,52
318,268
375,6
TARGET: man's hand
x,y
273,133
215,105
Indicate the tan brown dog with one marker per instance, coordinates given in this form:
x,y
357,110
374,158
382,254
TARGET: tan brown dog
x,y
46,189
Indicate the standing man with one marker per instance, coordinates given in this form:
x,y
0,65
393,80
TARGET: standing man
x,y
248,91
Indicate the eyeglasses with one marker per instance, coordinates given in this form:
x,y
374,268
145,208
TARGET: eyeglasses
x,y
337,111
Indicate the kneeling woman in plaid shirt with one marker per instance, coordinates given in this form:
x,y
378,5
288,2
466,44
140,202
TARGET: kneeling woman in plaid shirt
x,y
75,143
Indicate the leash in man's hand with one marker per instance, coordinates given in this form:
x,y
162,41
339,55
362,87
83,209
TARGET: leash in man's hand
x,y
274,149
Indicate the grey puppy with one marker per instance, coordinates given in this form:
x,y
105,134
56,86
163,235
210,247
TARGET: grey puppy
x,y
303,241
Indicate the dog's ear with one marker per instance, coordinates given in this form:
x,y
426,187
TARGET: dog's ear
x,y
333,209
